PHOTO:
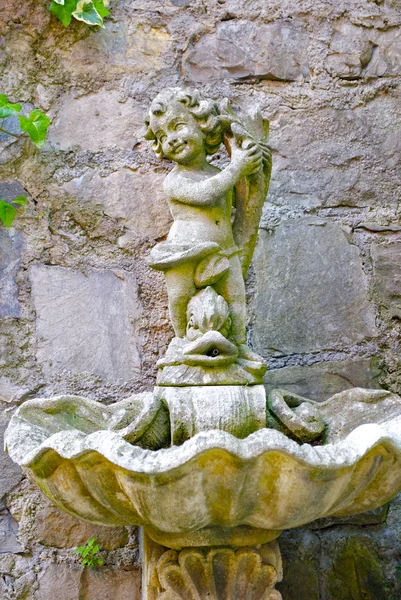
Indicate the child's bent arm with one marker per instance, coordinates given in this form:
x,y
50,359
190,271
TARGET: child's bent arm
x,y
201,193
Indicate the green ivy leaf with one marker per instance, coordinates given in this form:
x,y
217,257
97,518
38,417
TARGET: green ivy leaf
x,y
87,13
7,108
64,11
35,126
7,213
21,200
101,8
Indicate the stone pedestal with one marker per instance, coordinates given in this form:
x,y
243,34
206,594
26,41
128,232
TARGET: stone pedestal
x,y
210,573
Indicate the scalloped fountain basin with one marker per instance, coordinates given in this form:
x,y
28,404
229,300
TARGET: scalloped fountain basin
x,y
259,485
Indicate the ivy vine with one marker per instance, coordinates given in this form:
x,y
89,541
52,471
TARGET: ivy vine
x,y
91,12
35,127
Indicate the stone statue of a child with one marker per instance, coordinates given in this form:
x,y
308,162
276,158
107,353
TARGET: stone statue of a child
x,y
202,249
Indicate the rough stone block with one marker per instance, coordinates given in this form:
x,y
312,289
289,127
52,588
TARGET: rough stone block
x,y
8,533
333,157
96,121
10,190
361,570
300,552
11,474
311,292
11,393
72,582
87,322
105,583
10,255
322,380
360,51
244,49
121,47
336,564
56,529
387,276
133,198
61,581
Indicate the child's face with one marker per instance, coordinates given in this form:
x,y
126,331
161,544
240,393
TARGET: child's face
x,y
179,134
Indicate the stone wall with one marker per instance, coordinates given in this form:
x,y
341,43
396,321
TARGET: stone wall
x,y
81,312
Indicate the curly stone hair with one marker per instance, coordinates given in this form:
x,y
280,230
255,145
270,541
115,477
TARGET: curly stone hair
x,y
205,111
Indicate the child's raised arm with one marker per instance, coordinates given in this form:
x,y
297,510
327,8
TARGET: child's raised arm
x,y
179,186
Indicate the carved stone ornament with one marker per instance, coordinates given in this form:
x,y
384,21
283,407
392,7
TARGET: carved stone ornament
x,y
217,574
210,245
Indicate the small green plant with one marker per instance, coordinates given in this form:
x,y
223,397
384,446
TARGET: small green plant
x,y
9,210
88,554
91,12
398,569
34,126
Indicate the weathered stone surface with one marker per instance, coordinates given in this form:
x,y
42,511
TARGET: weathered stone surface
x,y
11,392
311,292
11,124
357,571
321,380
372,517
104,583
133,198
87,322
96,121
360,51
301,261
343,563
18,578
11,474
120,47
8,533
10,255
300,552
72,582
246,49
57,529
387,276
328,156
61,581
10,190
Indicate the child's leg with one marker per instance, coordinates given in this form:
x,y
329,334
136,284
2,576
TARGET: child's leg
x,y
180,289
232,288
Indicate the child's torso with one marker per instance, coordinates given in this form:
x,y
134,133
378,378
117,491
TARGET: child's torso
x,y
203,223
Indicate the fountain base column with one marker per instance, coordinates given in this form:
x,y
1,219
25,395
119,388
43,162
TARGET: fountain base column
x,y
212,573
